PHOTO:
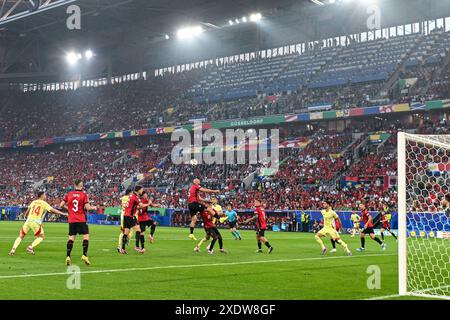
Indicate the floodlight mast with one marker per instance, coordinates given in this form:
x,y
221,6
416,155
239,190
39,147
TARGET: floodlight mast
x,y
13,11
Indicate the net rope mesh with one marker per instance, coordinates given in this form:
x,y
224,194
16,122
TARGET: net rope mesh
x,y
428,221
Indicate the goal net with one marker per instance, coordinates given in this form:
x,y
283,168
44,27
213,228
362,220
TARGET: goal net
x,y
424,216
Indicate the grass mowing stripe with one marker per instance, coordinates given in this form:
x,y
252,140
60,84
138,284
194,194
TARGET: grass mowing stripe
x,y
192,266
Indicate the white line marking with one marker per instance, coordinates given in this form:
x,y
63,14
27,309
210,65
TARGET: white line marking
x,y
192,266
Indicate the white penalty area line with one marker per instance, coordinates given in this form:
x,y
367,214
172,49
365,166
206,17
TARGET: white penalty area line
x,y
190,266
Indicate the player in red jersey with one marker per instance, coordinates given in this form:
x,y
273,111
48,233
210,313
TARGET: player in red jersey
x,y
209,214
195,203
77,204
145,221
261,226
130,216
386,222
368,228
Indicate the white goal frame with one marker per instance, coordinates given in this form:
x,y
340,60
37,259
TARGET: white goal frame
x,y
402,212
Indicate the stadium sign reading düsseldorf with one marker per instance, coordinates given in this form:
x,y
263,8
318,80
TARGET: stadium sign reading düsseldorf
x,y
258,143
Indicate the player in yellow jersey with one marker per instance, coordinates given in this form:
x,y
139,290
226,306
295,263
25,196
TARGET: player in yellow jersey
x,y
328,217
355,218
124,203
35,216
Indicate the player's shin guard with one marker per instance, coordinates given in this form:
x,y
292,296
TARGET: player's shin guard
x,y
191,229
17,243
85,247
142,238
267,244
319,241
36,242
69,247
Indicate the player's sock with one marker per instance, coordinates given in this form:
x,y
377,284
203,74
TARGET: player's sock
x,y
69,247
343,244
201,242
85,247
124,241
191,230
220,243
238,234
382,235
267,244
234,234
138,238
363,242
130,235
142,237
152,230
393,234
333,243
119,244
17,243
211,246
259,245
36,242
319,241
378,240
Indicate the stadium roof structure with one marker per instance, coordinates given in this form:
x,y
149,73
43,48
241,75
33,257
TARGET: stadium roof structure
x,y
130,35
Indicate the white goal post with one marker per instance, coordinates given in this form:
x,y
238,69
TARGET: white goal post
x,y
423,215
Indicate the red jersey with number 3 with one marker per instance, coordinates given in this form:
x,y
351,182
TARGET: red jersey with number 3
x,y
365,217
193,193
261,221
143,213
76,200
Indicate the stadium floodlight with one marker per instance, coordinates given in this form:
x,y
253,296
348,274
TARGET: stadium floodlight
x,y
73,57
230,22
255,17
237,21
189,32
167,37
244,19
89,54
332,1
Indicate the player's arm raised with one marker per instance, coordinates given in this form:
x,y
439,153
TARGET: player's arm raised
x,y
206,190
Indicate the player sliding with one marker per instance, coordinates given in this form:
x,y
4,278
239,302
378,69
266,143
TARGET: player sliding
x,y
145,221
194,204
368,228
129,220
261,226
35,217
356,219
209,214
124,202
386,222
329,215
77,203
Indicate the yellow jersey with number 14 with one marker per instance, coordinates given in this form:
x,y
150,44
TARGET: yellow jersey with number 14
x,y
37,211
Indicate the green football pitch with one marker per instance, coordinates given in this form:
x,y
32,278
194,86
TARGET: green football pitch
x,y
170,269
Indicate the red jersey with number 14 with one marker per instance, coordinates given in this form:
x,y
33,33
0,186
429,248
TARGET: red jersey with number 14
x,y
261,221
76,200
365,217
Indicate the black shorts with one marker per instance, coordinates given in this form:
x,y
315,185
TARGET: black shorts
x,y
260,232
368,231
129,222
78,228
195,207
213,232
232,224
145,224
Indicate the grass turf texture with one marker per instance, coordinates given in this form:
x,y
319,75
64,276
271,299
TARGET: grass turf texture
x,y
171,270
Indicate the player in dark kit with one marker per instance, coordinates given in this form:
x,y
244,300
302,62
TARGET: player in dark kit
x,y
208,217
130,216
368,228
261,226
195,204
145,221
386,222
77,204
